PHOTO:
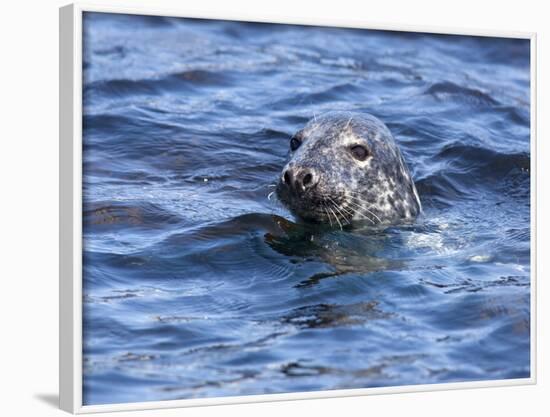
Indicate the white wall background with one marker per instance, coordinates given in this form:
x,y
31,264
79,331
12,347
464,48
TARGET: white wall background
x,y
29,195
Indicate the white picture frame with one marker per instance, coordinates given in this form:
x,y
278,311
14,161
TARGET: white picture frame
x,y
70,154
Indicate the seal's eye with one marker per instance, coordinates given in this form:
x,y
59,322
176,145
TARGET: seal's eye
x,y
295,143
359,152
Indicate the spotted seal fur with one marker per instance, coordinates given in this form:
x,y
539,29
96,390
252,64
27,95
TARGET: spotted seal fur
x,y
345,167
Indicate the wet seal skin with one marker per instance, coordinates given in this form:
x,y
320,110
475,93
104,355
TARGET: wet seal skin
x,y
344,167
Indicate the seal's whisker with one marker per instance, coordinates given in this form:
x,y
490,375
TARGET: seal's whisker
x,y
361,202
359,208
336,217
328,214
364,216
362,210
343,216
275,203
371,213
338,208
348,212
347,125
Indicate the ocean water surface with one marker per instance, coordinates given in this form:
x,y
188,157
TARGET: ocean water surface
x,y
197,285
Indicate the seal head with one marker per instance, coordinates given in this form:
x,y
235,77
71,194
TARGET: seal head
x,y
344,167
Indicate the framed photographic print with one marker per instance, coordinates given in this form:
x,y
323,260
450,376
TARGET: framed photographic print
x,y
258,210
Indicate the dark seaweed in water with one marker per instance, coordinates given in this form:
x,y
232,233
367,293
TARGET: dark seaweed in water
x,y
197,285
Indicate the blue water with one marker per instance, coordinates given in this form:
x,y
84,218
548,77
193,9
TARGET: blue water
x,y
197,285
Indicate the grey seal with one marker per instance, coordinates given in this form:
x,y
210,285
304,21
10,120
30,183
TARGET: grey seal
x,y
344,167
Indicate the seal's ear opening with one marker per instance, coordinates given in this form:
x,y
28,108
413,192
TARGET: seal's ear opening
x,y
359,152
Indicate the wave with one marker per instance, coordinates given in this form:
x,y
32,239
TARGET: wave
x,y
104,124
442,90
482,161
179,81
116,214
466,169
347,91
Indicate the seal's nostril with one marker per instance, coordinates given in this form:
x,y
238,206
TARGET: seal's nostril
x,y
287,178
307,179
